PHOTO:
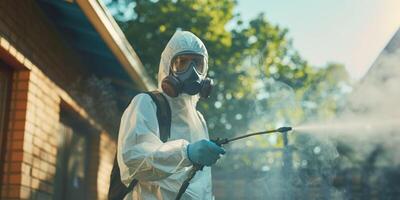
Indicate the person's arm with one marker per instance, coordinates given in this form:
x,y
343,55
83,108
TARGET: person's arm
x,y
140,148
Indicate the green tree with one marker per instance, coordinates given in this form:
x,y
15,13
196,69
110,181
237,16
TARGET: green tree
x,y
252,64
241,59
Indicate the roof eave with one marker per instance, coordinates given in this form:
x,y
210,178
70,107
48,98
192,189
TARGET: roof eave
x,y
113,36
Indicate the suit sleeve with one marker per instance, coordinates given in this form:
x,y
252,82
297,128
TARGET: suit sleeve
x,y
141,153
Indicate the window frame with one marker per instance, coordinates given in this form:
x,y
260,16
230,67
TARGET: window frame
x,y
5,98
71,127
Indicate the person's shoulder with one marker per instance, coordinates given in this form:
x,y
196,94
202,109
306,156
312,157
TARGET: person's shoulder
x,y
142,97
141,100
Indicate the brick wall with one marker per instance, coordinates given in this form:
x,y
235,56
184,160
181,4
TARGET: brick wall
x,y
32,137
13,169
42,66
23,24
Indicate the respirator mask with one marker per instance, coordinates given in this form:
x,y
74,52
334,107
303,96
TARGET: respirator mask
x,y
187,75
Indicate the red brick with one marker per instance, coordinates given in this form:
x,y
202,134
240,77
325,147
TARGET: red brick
x,y
19,125
17,145
8,145
18,135
17,156
15,167
22,95
22,85
15,179
21,105
23,75
13,191
20,115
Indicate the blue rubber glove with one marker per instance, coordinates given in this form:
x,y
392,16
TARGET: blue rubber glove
x,y
204,152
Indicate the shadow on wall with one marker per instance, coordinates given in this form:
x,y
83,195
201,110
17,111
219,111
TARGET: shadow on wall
x,y
77,164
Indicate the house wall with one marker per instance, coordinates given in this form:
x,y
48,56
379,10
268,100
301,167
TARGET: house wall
x,y
42,66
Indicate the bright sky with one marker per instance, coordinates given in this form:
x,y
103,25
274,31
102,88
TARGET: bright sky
x,y
352,32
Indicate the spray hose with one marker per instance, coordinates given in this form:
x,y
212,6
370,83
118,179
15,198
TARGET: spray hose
x,y
221,142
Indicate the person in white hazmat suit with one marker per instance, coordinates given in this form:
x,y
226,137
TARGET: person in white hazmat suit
x,y
161,167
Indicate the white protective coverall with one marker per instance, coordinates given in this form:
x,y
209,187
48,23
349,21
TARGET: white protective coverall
x,y
162,167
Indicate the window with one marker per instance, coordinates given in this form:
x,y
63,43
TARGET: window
x,y
71,178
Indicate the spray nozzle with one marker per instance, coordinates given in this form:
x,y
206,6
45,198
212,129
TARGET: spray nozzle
x,y
284,129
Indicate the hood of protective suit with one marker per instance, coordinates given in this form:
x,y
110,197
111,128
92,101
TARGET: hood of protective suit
x,y
181,41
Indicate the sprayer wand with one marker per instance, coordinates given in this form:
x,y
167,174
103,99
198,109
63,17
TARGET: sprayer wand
x,y
221,142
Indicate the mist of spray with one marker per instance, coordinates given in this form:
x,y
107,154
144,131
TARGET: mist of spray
x,y
351,127
373,111
371,118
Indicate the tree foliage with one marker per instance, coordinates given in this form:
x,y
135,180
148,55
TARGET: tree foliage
x,y
244,57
